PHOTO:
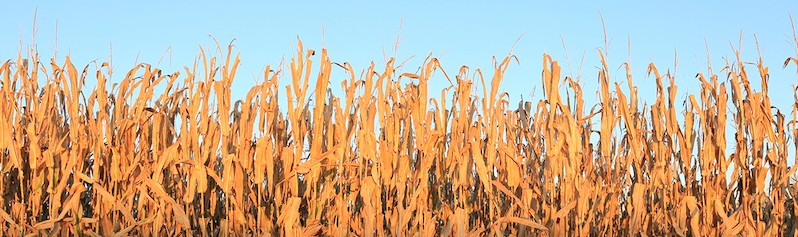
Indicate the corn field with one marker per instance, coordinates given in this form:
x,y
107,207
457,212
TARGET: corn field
x,y
386,158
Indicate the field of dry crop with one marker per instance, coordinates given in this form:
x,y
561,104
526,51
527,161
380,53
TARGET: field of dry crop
x,y
385,157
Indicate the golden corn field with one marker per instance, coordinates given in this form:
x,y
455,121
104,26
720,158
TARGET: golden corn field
x,y
385,157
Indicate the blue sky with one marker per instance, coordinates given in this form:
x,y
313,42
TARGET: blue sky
x,y
457,32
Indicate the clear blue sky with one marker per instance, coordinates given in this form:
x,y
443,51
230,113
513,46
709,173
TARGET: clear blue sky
x,y
458,32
